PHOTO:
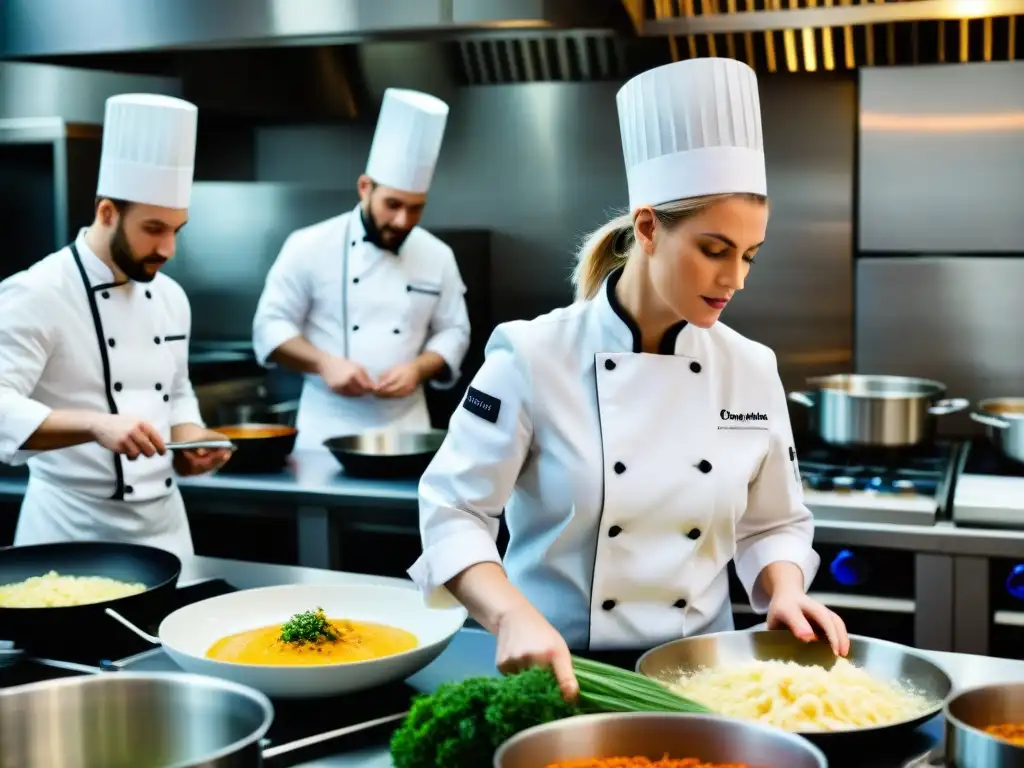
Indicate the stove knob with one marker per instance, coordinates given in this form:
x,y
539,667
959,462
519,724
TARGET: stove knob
x,y
1015,582
847,570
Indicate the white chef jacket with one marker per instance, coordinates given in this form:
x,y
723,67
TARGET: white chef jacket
x,y
629,480
350,298
73,338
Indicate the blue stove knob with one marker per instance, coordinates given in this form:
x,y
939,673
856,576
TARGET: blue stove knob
x,y
849,571
1015,582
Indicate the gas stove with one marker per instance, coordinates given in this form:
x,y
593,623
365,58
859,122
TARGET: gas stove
x,y
990,489
904,487
302,730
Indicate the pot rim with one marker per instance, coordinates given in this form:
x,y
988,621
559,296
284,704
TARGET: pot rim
x,y
983,407
781,734
953,720
822,384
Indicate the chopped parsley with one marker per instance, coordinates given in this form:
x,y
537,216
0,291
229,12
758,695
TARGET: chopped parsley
x,y
308,627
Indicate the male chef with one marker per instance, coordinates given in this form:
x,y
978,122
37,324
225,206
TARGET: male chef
x,y
94,350
368,305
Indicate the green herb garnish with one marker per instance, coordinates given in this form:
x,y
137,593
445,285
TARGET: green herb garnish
x,y
308,627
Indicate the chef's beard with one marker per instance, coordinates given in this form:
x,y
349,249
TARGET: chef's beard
x,y
133,267
386,238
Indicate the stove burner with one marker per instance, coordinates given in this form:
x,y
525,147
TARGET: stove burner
x,y
917,472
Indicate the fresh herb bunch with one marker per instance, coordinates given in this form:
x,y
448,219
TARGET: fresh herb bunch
x,y
461,724
308,627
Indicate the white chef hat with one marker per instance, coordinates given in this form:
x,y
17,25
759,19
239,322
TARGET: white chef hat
x,y
407,140
149,150
691,128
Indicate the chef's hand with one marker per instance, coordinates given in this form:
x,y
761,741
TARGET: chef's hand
x,y
794,610
201,460
127,435
345,377
400,381
527,639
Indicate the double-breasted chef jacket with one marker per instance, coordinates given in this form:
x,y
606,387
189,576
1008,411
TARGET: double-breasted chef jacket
x,y
629,480
71,337
352,299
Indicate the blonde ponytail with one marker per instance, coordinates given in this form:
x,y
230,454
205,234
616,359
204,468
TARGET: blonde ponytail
x,y
609,247
601,253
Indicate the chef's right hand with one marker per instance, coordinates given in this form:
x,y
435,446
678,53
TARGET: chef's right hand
x,y
345,377
527,639
128,435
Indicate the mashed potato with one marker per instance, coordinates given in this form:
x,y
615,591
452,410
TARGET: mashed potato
x,y
54,590
803,698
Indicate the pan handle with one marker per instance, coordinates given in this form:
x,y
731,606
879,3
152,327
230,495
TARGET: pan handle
x,y
802,398
951,405
144,635
990,421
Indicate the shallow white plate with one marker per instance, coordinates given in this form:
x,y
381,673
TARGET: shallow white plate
x,y
188,633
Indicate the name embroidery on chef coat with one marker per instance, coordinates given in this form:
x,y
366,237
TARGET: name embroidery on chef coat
x,y
743,421
481,404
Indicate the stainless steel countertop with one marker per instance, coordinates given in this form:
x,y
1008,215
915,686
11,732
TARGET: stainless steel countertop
x,y
472,653
314,478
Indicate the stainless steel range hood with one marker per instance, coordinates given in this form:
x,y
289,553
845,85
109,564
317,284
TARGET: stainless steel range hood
x,y
53,28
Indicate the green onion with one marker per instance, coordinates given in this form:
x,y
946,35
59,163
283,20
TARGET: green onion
x,y
604,688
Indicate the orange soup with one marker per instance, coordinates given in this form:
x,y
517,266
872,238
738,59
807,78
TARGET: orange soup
x,y
312,638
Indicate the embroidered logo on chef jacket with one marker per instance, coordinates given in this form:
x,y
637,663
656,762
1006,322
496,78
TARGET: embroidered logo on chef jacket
x,y
481,404
749,420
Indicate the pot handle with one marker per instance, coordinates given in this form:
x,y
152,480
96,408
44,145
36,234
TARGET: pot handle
x,y
802,398
952,405
990,421
144,635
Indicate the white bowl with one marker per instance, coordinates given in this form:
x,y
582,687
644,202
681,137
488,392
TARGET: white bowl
x,y
188,633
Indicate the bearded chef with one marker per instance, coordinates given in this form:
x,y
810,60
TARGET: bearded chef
x,y
636,444
94,350
369,305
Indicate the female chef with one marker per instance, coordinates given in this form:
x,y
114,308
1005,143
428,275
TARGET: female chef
x,y
636,444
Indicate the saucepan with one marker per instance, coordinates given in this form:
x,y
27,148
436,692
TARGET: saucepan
x,y
386,453
131,719
188,634
862,411
51,627
970,712
710,738
1004,417
258,448
883,660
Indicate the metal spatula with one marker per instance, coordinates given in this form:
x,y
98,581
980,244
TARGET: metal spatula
x,y
197,444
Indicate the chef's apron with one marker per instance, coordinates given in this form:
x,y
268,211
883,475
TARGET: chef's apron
x,y
51,514
324,414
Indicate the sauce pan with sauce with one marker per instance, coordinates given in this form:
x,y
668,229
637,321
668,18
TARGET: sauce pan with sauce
x,y
259,448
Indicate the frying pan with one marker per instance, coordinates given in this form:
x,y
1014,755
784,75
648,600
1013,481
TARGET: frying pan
x,y
37,629
187,634
259,448
880,658
386,453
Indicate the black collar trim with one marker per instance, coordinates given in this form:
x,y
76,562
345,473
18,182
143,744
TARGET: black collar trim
x,y
667,345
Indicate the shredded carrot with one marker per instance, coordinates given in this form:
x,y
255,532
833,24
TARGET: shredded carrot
x,y
1011,732
643,762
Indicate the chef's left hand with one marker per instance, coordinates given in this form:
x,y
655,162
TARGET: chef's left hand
x,y
201,460
400,381
794,610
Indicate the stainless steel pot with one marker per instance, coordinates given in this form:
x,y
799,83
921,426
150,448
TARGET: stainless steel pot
x,y
969,712
711,738
1004,417
128,720
856,410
